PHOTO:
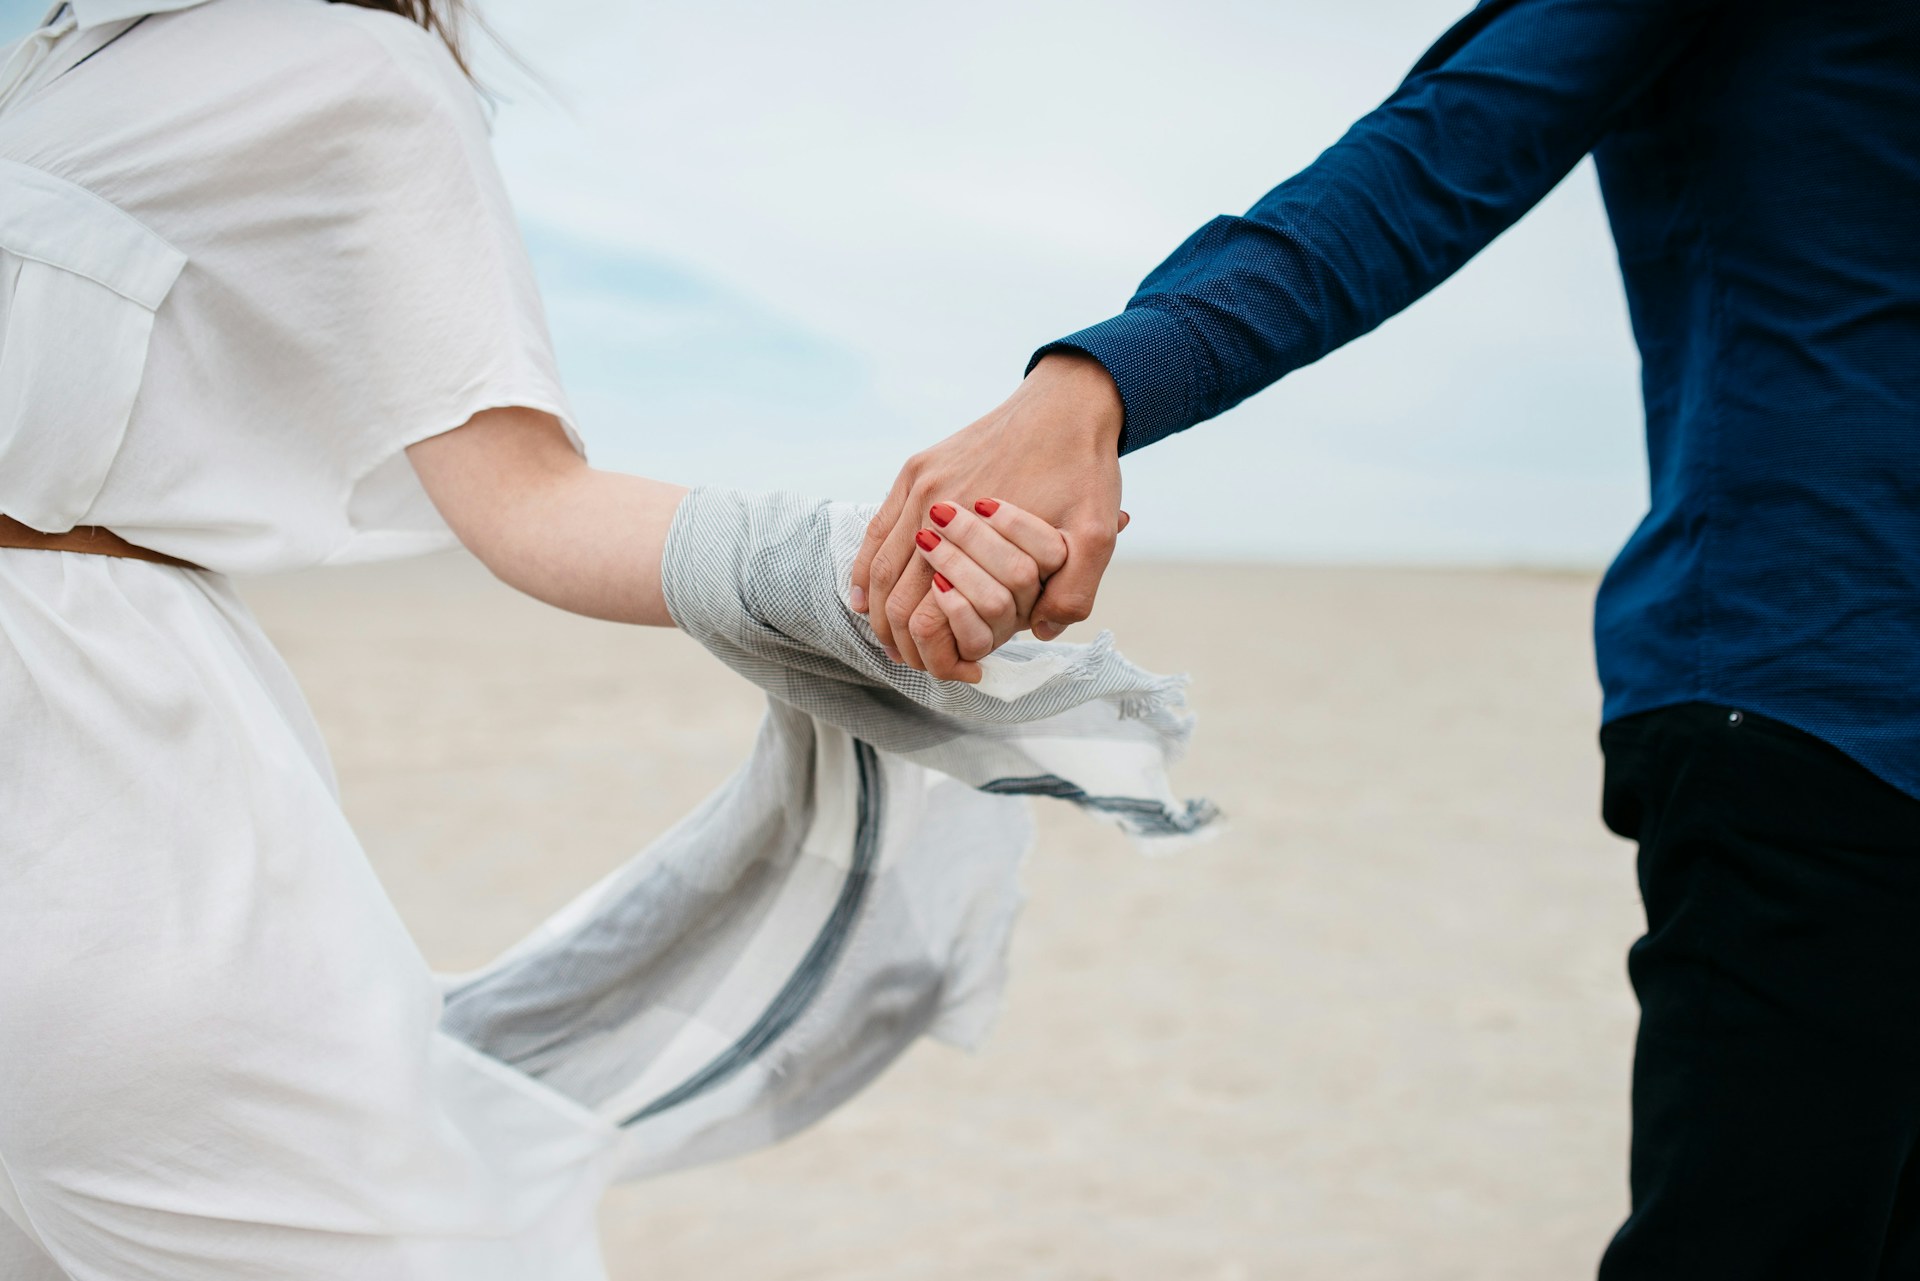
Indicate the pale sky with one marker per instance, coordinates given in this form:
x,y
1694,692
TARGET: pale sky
x,y
786,245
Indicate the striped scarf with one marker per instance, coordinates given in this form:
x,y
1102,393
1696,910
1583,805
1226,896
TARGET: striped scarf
x,y
852,887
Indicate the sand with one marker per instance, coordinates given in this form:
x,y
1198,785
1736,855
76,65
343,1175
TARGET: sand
x,y
1380,1029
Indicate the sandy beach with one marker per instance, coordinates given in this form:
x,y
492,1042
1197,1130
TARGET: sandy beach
x,y
1379,1030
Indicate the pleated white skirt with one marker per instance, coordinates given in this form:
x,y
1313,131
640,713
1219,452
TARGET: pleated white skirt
x,y
220,1051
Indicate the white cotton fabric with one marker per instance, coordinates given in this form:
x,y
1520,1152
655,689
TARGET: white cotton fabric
x,y
249,251
279,223
219,1049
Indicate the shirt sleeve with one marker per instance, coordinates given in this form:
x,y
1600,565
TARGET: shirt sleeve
x,y
344,273
1484,126
442,313
357,273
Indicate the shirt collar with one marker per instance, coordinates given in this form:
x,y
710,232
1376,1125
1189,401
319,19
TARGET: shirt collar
x,y
94,13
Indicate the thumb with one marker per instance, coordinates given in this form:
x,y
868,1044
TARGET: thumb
x,y
1068,595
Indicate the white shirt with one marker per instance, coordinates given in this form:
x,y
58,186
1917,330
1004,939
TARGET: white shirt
x,y
247,256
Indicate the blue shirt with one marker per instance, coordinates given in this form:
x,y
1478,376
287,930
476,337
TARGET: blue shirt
x,y
1761,167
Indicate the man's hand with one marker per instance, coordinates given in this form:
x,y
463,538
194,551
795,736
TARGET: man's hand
x,y
1053,447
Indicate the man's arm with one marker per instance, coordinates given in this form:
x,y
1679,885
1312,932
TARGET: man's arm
x,y
1486,124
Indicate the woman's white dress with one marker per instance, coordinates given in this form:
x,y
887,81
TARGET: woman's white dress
x,y
249,251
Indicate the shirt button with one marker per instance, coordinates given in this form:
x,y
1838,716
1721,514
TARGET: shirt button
x,y
1734,718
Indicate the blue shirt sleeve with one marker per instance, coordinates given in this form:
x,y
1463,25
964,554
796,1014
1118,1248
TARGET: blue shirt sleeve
x,y
1484,126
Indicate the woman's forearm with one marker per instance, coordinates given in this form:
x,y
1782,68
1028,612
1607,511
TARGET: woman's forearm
x,y
530,508
589,543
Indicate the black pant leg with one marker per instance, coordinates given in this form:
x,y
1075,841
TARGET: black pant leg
x,y
1776,1090
1900,1257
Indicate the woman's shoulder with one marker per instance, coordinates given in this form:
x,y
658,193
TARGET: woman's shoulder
x,y
265,139
248,98
328,53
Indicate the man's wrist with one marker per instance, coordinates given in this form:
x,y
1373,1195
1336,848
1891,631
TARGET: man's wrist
x,y
1095,396
1150,357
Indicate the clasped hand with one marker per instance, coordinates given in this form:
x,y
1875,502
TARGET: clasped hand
x,y
988,567
1007,524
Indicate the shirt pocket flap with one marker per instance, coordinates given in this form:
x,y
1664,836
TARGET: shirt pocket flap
x,y
82,280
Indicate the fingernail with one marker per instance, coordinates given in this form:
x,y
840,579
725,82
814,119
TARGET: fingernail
x,y
941,513
893,655
987,506
1045,631
940,581
857,600
927,539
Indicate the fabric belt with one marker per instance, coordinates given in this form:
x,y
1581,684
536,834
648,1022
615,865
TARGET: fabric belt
x,y
92,539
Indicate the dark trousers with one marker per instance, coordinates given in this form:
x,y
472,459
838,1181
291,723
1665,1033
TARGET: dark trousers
x,y
1776,1080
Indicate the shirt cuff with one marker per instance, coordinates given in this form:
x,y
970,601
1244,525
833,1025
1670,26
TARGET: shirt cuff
x,y
1150,355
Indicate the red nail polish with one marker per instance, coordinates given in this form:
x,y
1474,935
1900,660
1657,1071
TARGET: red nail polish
x,y
941,513
927,539
940,581
987,506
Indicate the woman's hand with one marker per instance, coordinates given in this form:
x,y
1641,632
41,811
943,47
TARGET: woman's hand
x,y
989,565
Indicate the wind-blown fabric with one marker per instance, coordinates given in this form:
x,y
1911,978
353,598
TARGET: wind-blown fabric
x,y
850,888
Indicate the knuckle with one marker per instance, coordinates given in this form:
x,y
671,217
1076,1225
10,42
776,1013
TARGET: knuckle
x,y
899,612
1086,530
1097,538
1026,579
882,569
1072,607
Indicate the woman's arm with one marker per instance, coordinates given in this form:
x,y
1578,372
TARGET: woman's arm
x,y
522,500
